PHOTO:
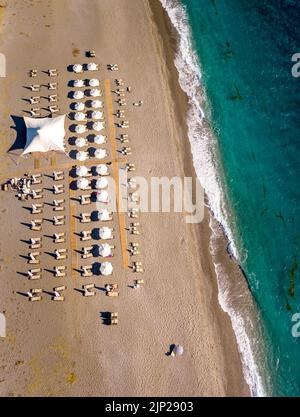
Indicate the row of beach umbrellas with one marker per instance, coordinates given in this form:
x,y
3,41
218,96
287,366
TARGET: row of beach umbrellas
x,y
98,126
95,104
80,116
94,82
79,94
77,68
84,183
82,170
81,142
82,156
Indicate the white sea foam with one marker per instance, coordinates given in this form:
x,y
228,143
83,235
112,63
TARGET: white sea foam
x,y
205,158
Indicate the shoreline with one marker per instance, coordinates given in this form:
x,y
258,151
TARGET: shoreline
x,y
169,39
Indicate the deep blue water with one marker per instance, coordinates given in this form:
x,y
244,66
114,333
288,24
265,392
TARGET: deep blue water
x,y
245,49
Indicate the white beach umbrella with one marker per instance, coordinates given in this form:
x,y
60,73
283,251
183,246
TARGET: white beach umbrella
x,y
81,156
94,82
101,169
92,66
82,183
81,171
96,104
78,94
78,83
101,183
177,350
105,233
95,92
100,153
79,106
97,115
103,215
98,126
80,142
102,196
77,68
106,268
100,139
80,128
104,250
79,116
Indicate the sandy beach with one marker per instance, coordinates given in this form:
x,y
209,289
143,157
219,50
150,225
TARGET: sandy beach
x,y
63,349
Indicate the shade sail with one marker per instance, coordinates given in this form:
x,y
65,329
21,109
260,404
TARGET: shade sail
x,y
45,134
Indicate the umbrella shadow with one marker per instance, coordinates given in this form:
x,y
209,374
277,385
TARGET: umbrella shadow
x,y
72,154
20,129
171,348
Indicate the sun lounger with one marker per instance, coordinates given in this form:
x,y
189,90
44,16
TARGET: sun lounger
x,y
87,252
112,293
35,87
139,281
60,271
36,208
36,224
33,257
53,97
53,109
58,175
58,189
59,220
130,167
85,217
59,237
52,86
58,205
34,273
53,72
36,178
88,290
35,242
57,293
86,271
85,199
34,100
37,194
113,321
35,112
126,151
60,254
86,235
133,214
91,54
33,72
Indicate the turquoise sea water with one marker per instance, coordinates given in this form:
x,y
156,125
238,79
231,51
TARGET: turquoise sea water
x,y
245,49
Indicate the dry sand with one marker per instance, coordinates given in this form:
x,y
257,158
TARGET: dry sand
x,y
56,349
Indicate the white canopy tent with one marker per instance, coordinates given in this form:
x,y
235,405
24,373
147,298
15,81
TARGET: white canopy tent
x,y
45,134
